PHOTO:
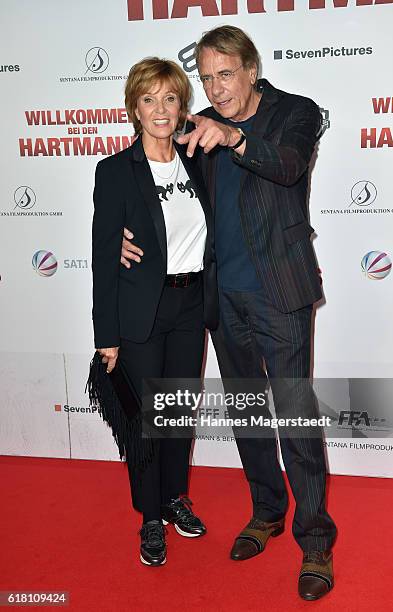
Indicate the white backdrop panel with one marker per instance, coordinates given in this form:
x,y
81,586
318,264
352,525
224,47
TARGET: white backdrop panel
x,y
45,322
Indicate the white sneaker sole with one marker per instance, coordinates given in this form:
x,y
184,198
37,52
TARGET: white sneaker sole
x,y
183,533
151,564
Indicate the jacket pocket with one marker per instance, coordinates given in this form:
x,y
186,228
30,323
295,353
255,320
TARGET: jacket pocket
x,y
297,232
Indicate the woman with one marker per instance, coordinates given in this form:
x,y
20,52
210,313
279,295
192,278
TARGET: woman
x,y
151,319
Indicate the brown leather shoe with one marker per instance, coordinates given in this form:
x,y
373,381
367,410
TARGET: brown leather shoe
x,y
252,540
316,575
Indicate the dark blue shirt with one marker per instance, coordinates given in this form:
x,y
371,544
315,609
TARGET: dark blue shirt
x,y
235,270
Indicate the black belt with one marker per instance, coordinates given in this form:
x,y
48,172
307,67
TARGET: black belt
x,y
180,281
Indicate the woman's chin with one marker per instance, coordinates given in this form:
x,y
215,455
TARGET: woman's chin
x,y
160,132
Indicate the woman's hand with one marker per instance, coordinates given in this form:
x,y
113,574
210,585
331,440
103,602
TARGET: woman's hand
x,y
129,251
109,356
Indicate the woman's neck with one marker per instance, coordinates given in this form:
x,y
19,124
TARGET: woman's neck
x,y
158,149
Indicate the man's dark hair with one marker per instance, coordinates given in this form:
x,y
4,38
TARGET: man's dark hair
x,y
230,40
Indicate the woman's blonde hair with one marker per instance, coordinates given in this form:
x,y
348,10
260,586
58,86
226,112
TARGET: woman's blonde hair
x,y
144,75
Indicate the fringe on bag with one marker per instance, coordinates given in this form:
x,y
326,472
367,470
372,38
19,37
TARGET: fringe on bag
x,y
121,410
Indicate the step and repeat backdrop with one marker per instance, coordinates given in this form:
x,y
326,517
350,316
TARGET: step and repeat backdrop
x,y
63,67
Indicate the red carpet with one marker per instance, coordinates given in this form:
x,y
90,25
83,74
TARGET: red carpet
x,y
67,525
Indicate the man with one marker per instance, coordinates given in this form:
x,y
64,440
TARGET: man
x,y
258,142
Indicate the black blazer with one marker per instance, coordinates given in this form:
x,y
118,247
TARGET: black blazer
x,y
273,197
125,300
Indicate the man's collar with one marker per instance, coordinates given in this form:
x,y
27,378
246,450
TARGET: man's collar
x,y
270,94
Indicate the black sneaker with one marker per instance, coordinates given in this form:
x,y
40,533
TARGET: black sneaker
x,y
153,547
179,513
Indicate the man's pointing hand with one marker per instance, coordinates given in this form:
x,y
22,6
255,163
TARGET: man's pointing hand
x,y
208,134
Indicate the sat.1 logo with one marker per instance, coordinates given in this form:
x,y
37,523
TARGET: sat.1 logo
x,y
44,263
376,265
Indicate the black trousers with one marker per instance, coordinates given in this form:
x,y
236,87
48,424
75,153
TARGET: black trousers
x,y
254,338
174,350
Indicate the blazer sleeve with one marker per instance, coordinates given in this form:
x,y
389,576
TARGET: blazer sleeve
x,y
108,223
285,162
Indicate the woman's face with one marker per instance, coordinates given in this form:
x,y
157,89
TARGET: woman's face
x,y
158,110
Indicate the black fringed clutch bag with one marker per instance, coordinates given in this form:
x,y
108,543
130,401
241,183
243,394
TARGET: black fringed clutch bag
x,y
121,409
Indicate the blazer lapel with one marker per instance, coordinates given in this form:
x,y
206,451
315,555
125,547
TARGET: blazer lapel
x,y
266,108
144,179
211,175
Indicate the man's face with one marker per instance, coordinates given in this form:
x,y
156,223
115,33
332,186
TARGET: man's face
x,y
235,98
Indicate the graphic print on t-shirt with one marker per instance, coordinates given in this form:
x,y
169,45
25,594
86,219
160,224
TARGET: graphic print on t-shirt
x,y
186,187
163,191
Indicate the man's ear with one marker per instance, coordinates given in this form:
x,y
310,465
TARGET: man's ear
x,y
253,74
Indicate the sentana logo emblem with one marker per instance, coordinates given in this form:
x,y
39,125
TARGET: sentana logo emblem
x,y
97,63
376,265
25,200
363,193
24,197
44,263
97,60
359,202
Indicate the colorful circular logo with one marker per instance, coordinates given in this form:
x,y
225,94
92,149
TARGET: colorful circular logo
x,y
44,263
376,265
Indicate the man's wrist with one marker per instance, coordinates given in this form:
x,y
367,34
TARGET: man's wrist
x,y
236,139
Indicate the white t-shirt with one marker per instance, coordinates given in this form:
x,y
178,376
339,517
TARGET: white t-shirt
x,y
184,217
